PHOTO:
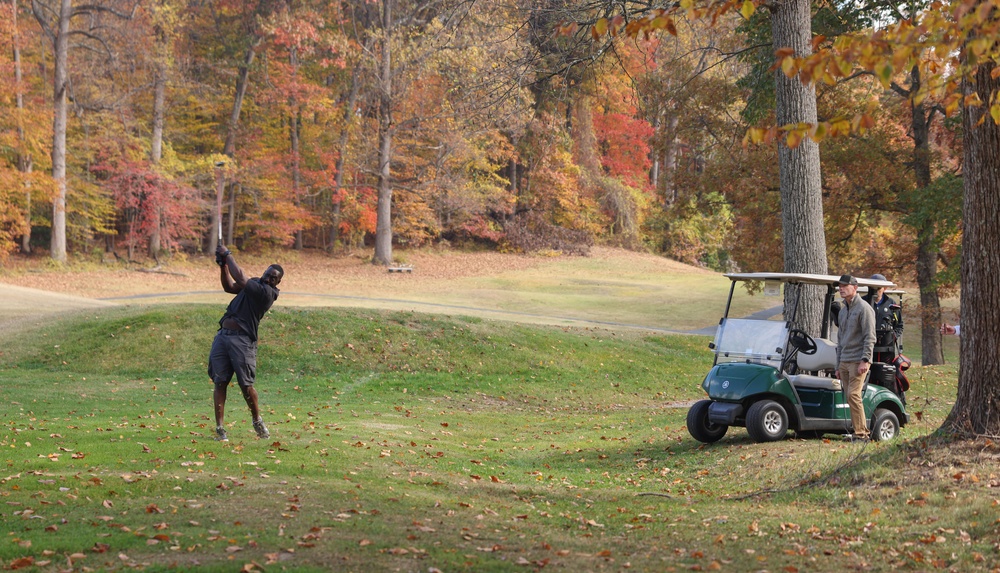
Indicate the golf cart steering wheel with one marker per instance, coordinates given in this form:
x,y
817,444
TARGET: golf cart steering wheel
x,y
802,341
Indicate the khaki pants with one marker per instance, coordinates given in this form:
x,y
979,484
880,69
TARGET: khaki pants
x,y
853,384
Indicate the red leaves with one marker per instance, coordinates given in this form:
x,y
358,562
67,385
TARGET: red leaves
x,y
624,141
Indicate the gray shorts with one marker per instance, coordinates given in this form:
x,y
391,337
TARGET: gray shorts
x,y
232,352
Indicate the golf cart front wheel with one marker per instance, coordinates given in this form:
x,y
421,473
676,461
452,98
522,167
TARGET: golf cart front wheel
x,y
885,425
767,421
700,427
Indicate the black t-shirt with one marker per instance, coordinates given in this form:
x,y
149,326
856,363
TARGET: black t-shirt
x,y
250,305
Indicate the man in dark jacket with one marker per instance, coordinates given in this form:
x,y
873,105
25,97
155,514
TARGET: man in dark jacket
x,y
888,325
234,349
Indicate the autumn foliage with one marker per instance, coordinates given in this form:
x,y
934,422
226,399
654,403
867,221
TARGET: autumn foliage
x,y
623,130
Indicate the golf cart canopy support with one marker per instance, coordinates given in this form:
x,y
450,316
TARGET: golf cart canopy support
x,y
829,281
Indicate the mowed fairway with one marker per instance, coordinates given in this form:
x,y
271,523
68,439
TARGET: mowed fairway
x,y
404,441
612,287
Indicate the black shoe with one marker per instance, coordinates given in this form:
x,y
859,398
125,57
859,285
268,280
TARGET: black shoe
x,y
220,434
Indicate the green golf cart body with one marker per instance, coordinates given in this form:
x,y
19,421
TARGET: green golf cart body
x,y
770,377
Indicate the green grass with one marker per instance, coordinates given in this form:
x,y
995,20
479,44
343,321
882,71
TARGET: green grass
x,y
412,442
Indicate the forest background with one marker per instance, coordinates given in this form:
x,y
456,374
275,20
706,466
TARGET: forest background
x,y
497,125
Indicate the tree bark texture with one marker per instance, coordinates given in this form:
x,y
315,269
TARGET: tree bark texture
x,y
977,407
926,263
803,234
156,147
345,133
383,224
294,133
24,159
60,84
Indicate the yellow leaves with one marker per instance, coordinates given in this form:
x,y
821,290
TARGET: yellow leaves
x,y
995,111
883,72
747,9
796,133
793,139
978,47
599,28
663,22
789,67
819,132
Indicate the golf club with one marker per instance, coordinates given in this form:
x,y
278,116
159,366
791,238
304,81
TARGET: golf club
x,y
218,195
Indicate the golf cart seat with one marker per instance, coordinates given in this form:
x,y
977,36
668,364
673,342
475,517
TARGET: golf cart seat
x,y
825,358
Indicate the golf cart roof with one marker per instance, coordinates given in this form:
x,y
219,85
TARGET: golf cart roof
x,y
802,278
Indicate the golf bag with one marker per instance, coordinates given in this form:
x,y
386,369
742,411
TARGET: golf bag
x,y
902,364
887,375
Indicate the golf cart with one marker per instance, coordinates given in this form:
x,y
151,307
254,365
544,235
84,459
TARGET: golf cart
x,y
770,376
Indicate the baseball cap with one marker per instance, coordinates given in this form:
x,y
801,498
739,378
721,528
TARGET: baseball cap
x,y
847,280
878,277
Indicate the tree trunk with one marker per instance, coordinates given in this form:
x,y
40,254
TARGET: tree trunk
x,y
294,133
60,84
345,133
229,148
930,302
156,149
670,160
234,190
977,407
802,228
927,252
24,159
383,225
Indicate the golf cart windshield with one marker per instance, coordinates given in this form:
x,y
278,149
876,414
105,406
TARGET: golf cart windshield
x,y
742,340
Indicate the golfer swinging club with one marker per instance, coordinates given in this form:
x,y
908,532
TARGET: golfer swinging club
x,y
234,349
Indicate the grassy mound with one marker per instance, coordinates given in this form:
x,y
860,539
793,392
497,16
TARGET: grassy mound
x,y
403,441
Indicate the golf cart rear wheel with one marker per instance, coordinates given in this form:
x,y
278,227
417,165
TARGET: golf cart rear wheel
x,y
700,428
767,421
885,425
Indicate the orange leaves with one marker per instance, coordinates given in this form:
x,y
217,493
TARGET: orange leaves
x,y
794,134
656,20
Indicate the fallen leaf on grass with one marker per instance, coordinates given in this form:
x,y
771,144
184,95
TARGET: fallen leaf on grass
x,y
21,563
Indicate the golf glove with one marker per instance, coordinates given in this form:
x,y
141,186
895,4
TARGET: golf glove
x,y
220,257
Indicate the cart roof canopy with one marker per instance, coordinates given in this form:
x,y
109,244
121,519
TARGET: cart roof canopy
x,y
801,278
